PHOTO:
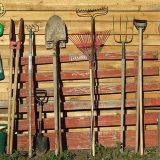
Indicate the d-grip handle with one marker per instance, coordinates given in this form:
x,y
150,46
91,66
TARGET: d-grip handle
x,y
41,95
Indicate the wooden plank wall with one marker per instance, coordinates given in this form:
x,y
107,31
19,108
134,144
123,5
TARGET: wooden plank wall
x,y
75,88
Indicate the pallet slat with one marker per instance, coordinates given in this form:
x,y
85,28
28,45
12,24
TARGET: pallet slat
x,y
84,122
85,105
74,57
105,89
79,75
66,5
81,140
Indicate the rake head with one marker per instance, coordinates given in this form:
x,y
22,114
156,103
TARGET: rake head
x,y
32,27
2,10
84,43
92,12
140,24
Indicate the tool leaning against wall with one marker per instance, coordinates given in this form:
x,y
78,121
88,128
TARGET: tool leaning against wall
x,y
15,47
1,64
89,43
123,40
31,29
55,38
42,142
140,26
2,12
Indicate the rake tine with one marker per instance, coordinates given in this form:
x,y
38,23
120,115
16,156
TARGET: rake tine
x,y
90,12
131,37
81,13
126,29
102,11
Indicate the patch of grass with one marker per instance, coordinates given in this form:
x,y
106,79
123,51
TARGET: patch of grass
x,y
14,156
102,153
66,155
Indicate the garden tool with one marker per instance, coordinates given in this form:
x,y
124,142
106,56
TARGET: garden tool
x,y
1,29
15,46
42,143
140,26
55,37
1,69
1,34
123,42
31,29
2,12
90,51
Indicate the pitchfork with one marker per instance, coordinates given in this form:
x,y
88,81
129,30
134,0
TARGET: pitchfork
x,y
123,41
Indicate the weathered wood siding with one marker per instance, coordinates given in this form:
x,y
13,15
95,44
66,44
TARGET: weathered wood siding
x,y
75,76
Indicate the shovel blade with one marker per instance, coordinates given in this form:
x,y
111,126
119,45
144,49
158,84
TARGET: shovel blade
x,y
55,32
42,144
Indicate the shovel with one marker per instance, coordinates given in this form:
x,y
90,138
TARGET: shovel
x,y
140,26
55,37
42,143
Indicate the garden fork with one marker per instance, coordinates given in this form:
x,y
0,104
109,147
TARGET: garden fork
x,y
123,40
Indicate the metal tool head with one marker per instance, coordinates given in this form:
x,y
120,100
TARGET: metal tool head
x,y
92,12
32,27
123,37
12,31
140,24
2,10
55,32
21,34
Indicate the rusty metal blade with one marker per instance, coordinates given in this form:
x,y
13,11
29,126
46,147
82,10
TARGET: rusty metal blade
x,y
55,31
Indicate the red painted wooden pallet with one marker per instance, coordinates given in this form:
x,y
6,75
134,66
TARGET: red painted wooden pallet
x,y
81,140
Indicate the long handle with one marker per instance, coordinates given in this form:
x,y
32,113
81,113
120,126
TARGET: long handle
x,y
30,72
14,98
9,100
123,97
137,111
56,104
60,134
141,93
139,121
92,111
40,117
92,68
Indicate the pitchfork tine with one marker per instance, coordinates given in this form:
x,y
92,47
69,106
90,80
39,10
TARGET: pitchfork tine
x,y
131,35
126,29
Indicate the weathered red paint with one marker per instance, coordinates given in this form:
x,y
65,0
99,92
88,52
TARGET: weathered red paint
x,y
84,121
85,105
78,75
105,89
81,140
81,57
